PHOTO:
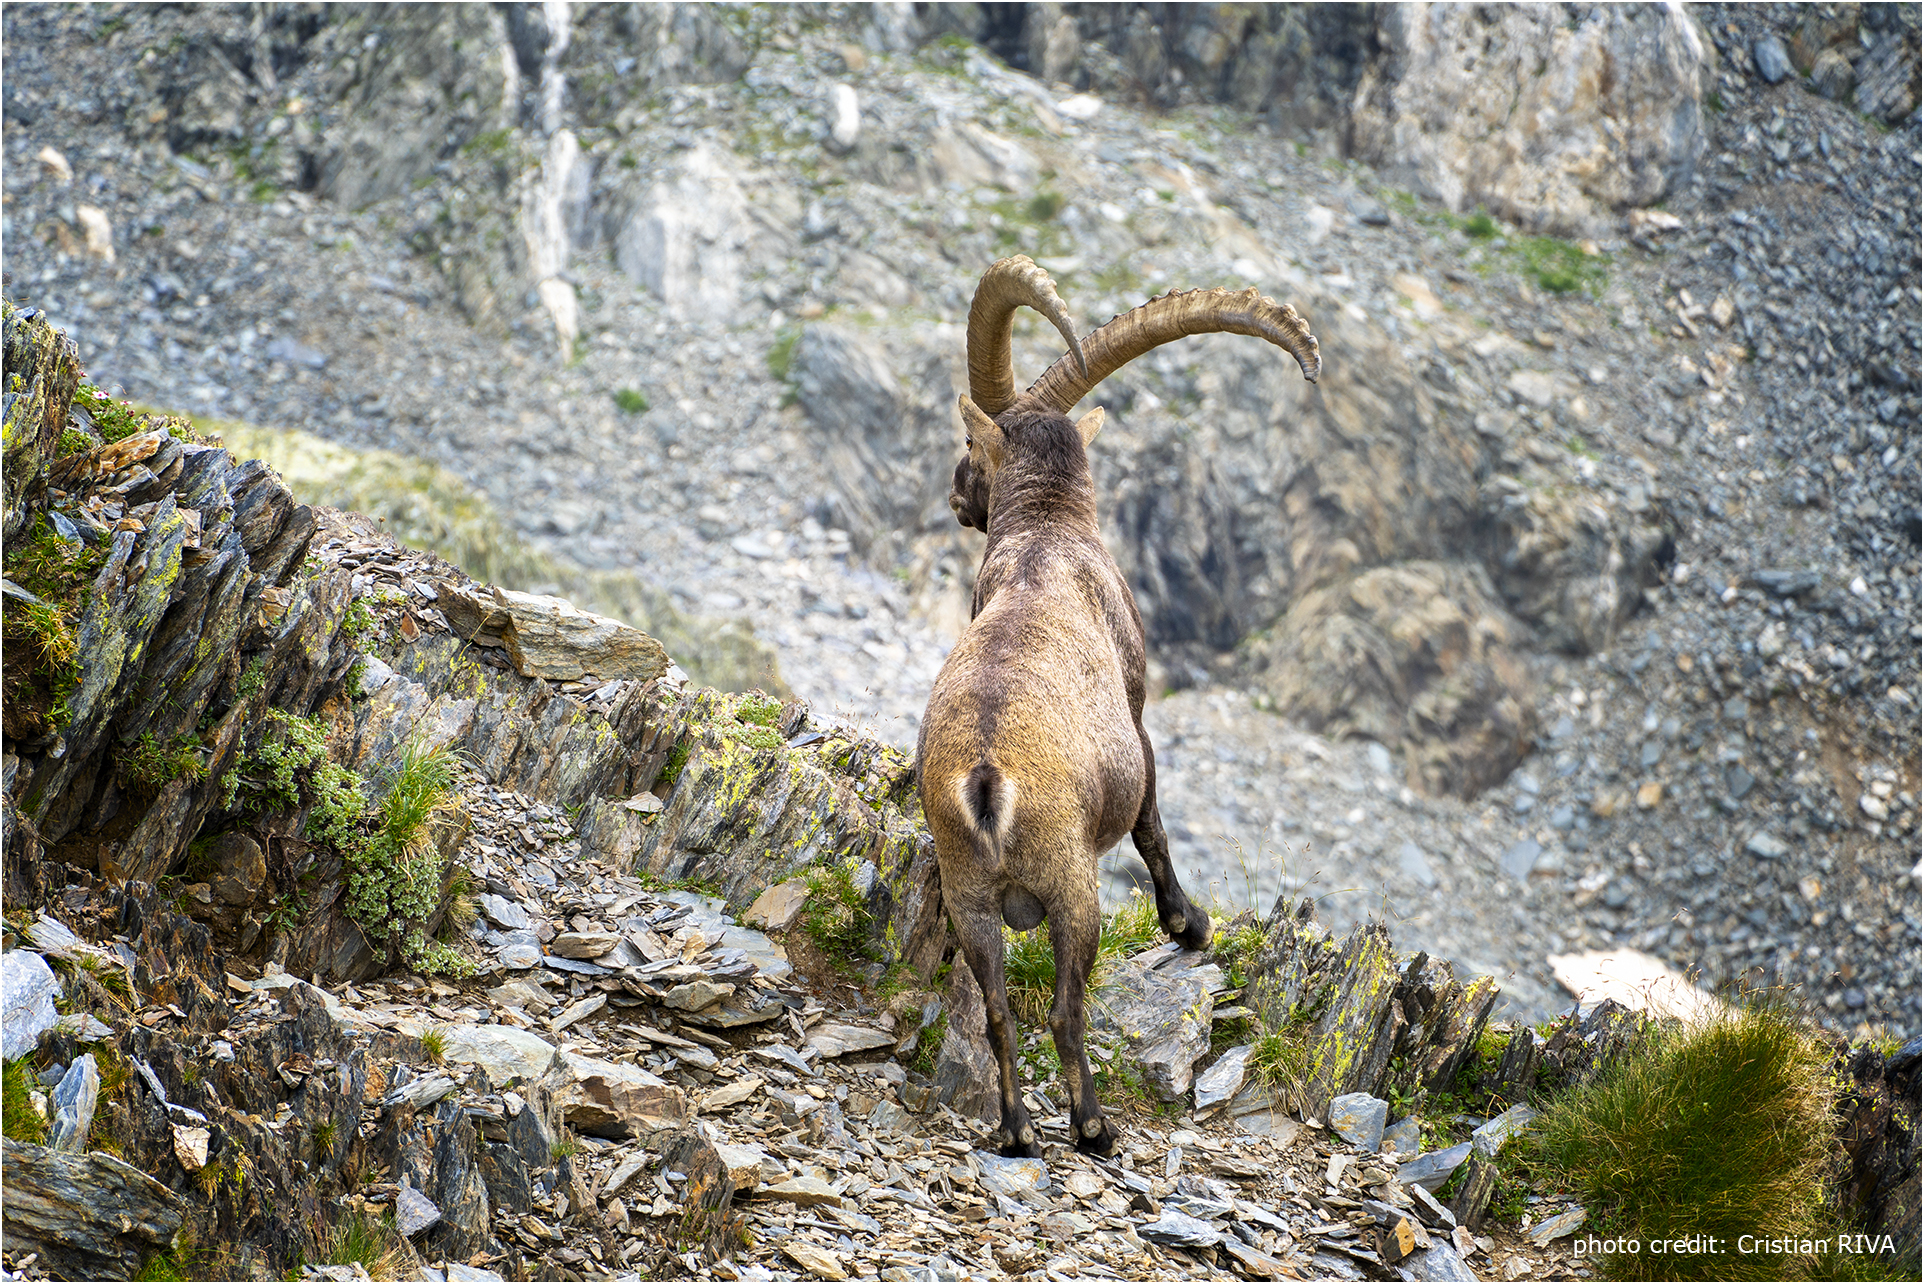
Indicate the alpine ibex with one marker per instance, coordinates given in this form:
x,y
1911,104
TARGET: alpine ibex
x,y
1032,758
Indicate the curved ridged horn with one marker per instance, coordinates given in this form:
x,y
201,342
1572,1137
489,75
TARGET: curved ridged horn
x,y
1009,284
1123,339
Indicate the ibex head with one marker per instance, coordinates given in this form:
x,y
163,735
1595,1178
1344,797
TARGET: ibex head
x,y
1018,282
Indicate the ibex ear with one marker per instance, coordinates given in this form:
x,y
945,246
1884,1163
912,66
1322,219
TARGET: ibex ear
x,y
983,431
1090,425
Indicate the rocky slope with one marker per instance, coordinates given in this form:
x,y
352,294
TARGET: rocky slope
x,y
519,1053
1657,501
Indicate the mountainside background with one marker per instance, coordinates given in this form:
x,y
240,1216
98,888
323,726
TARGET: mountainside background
x,y
1576,607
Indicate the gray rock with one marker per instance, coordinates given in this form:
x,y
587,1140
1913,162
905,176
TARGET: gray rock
x,y
834,1039
1224,1080
693,997
30,988
1494,1133
294,353
1016,1177
1767,845
1561,1225
1412,861
243,869
1379,758
1434,1168
1178,1228
506,913
1769,57
89,1217
1404,1137
1358,1118
73,1104
1368,209
1159,1002
413,1212
1441,1262
1521,858
506,1053
1832,76
519,955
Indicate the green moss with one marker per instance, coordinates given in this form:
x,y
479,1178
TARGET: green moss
x,y
631,400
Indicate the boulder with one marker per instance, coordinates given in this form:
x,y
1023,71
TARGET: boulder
x,y
89,1217
613,1099
1419,655
506,1053
30,987
1358,1118
1159,1003
73,1103
1550,124
242,868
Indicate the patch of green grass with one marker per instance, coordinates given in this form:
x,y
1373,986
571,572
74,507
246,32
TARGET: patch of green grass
x,y
358,623
148,764
1279,1059
18,1118
1720,1129
1029,961
631,400
1236,952
564,1146
321,1138
112,420
376,1245
930,1046
1044,206
434,1044
1479,226
1559,266
837,917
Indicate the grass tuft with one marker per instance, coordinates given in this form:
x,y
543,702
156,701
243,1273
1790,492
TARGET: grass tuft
x,y
19,1119
434,1043
1721,1129
1029,961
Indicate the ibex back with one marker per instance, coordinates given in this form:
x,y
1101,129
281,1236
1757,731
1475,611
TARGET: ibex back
x,y
1033,761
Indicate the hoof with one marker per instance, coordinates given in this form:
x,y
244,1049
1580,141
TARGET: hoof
x,y
1020,1150
1191,931
1101,1143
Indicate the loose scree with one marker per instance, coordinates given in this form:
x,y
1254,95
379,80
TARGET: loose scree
x,y
1032,758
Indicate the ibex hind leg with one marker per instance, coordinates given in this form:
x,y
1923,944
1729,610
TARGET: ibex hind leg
x,y
1188,925
980,928
1074,930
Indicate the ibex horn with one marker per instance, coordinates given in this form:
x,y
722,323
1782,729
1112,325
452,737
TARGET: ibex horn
x,y
1008,285
1123,339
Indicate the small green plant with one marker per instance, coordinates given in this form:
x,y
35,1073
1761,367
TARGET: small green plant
x,y
564,1146
1237,952
73,442
321,1138
836,918
1044,206
1719,1129
782,353
253,679
114,421
434,1044
148,764
632,401
359,1239
1279,1059
1480,226
358,623
673,765
1559,266
19,1119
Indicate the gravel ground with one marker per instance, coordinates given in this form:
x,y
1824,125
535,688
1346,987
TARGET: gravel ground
x,y
1733,786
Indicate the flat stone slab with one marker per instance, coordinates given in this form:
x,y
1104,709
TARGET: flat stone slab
x,y
29,987
833,1039
504,1052
414,1212
693,997
733,1094
1012,1176
584,945
779,906
1224,1080
803,1191
1562,1225
1178,1228
1434,1168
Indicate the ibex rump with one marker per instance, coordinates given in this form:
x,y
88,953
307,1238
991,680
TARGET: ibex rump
x,y
1032,759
